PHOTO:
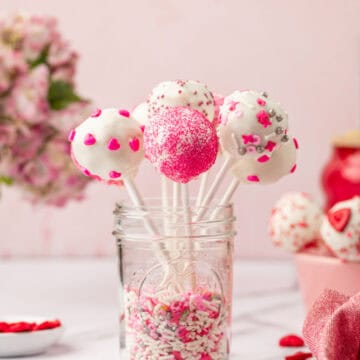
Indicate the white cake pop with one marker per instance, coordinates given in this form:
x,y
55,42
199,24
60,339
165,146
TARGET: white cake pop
x,y
295,221
259,124
341,229
187,93
141,114
265,169
108,145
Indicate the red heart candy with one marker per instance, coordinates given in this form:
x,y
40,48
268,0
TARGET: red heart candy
x,y
299,356
291,340
339,218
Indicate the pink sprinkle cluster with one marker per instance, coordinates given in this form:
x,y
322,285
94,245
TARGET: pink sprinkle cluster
x,y
181,326
181,143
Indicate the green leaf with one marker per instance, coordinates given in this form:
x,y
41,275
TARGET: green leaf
x,y
6,180
41,59
61,94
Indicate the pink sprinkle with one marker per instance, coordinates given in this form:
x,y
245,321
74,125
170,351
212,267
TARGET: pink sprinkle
x,y
254,139
251,149
253,178
142,127
232,104
89,140
263,118
72,135
261,102
86,172
114,174
293,169
296,143
134,144
263,158
270,146
124,113
113,144
96,113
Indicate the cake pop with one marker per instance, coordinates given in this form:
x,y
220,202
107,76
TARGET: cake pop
x,y
141,114
259,124
108,145
188,93
181,143
341,229
295,221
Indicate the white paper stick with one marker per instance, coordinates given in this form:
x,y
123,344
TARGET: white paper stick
x,y
214,188
188,233
165,201
226,198
202,189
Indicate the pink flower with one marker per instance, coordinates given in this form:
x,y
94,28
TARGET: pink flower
x,y
28,99
7,135
60,54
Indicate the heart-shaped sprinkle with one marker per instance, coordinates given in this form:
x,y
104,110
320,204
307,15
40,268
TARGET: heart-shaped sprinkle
x,y
89,140
134,144
291,340
263,158
113,144
339,218
96,113
270,146
261,102
72,135
114,174
253,178
124,113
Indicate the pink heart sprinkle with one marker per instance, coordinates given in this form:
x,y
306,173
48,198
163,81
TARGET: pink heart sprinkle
x,y
134,144
124,113
89,140
114,174
296,143
261,102
142,127
263,158
86,172
253,178
113,144
293,169
96,113
72,135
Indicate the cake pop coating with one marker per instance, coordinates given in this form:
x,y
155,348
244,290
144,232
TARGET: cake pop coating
x,y
255,120
181,143
189,93
295,221
108,146
341,229
266,169
141,113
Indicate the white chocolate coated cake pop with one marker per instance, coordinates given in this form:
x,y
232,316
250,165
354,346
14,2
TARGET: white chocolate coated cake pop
x,y
259,124
265,169
141,114
188,93
108,145
295,221
341,229
181,143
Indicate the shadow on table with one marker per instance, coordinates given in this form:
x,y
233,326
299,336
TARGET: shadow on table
x,y
58,350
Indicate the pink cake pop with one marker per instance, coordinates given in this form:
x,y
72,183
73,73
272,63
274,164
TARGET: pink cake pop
x,y
108,145
181,143
187,93
295,221
341,229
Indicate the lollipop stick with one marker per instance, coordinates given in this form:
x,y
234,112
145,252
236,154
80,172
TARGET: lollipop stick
x,y
165,202
188,233
226,198
202,189
214,188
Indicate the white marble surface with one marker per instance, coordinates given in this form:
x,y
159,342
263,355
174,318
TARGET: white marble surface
x,y
83,294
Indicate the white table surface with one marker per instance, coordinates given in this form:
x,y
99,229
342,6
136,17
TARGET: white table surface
x,y
83,294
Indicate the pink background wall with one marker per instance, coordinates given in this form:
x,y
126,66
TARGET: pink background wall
x,y
303,52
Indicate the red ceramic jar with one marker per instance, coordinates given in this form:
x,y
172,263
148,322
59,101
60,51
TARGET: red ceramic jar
x,y
341,175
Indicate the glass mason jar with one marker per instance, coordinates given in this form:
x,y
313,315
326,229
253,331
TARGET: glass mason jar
x,y
176,285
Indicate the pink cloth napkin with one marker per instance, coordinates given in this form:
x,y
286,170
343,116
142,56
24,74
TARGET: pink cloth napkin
x,y
332,327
